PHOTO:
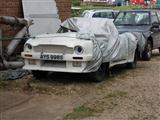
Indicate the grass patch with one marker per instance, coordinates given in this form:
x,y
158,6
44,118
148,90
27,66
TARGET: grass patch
x,y
94,7
40,88
80,113
116,94
109,102
77,13
3,84
130,7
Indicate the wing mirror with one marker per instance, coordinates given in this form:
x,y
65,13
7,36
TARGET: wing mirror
x,y
155,26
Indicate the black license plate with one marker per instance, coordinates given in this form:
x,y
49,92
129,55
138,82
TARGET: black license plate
x,y
51,56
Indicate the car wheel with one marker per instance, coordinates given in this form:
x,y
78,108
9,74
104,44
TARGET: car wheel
x,y
133,64
159,49
39,74
147,53
100,74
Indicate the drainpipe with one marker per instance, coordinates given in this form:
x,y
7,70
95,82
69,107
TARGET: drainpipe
x,y
13,65
1,62
14,43
0,42
4,63
14,21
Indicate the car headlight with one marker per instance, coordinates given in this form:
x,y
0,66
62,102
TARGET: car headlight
x,y
78,50
28,47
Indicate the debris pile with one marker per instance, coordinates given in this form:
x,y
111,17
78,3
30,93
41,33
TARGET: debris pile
x,y
13,74
6,61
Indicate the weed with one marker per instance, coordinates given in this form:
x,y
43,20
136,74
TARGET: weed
x,y
3,84
116,94
80,113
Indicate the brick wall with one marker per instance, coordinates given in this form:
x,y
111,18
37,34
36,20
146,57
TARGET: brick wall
x,y
14,8
10,8
64,7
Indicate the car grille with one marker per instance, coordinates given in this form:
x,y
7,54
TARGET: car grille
x,y
58,64
53,49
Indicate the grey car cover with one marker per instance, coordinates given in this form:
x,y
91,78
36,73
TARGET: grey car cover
x,y
109,45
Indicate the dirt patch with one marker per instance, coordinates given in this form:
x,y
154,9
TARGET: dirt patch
x,y
125,95
9,100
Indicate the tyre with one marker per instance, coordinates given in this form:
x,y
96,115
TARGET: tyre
x,y
159,49
133,64
39,74
147,53
100,74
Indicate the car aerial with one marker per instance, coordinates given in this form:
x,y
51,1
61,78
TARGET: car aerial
x,y
142,21
82,45
104,13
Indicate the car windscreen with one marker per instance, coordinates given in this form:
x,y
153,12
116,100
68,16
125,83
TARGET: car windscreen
x,y
132,18
64,30
115,13
85,14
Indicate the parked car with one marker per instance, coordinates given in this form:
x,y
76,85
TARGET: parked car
x,y
82,45
104,13
142,21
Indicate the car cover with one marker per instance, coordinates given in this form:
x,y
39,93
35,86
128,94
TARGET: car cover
x,y
109,45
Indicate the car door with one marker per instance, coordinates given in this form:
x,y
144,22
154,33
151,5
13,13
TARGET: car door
x,y
158,41
155,32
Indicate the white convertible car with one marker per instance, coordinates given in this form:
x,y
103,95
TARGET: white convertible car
x,y
82,45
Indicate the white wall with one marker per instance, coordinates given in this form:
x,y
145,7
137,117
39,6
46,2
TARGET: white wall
x,y
44,14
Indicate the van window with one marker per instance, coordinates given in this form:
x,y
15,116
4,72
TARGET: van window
x,y
103,14
96,14
106,15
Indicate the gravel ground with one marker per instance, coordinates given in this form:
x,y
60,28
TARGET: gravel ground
x,y
125,95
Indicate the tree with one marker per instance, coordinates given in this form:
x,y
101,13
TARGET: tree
x,y
76,2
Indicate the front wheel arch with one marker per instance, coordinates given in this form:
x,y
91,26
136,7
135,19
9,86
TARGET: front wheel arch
x,y
150,38
101,73
132,65
147,53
